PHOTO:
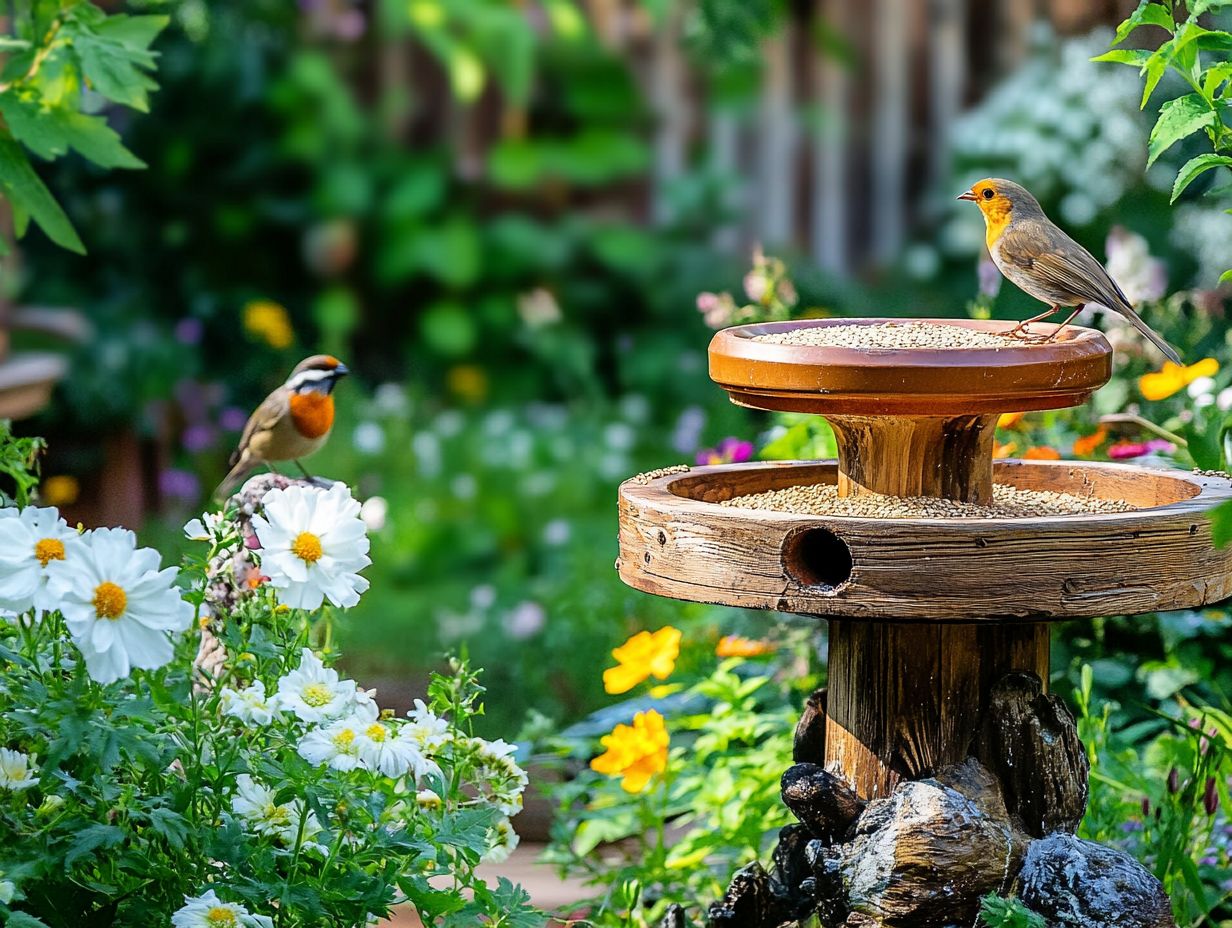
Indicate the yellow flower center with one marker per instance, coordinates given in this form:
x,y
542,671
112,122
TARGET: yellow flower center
x,y
221,917
276,815
49,549
307,547
109,600
344,738
376,732
317,695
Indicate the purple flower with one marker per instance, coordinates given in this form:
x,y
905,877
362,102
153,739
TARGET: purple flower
x,y
178,484
728,451
188,331
1123,450
989,277
232,419
198,438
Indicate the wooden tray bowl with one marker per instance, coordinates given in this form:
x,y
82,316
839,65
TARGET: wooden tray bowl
x,y
1026,375
675,540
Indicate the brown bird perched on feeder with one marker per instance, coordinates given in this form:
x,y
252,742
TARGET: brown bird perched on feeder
x,y
293,422
1040,259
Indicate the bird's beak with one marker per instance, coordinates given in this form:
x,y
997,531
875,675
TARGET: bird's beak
x,y
966,195
341,370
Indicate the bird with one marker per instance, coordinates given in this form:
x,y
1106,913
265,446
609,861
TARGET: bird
x,y
291,423
1040,259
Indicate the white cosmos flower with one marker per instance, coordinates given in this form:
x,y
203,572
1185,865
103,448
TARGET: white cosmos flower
x,y
313,545
502,779
29,542
429,731
382,750
17,770
117,604
336,744
314,693
208,911
503,840
250,705
212,526
254,802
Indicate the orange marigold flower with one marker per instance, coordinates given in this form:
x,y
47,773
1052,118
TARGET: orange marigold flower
x,y
1007,420
1042,453
1171,378
1003,451
644,655
739,646
1088,444
634,752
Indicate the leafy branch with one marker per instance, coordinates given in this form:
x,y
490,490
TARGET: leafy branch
x,y
65,59
1203,59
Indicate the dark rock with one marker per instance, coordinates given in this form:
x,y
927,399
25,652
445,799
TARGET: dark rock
x,y
925,855
1029,741
750,902
821,801
1079,884
809,746
830,898
791,867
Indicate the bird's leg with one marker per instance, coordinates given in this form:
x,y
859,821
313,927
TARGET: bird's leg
x,y
303,470
1068,320
1021,328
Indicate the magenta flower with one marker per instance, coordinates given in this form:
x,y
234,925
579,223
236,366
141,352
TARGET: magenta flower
x,y
728,451
179,484
1123,450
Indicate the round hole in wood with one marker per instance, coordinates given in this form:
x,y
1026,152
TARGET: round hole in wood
x,y
817,557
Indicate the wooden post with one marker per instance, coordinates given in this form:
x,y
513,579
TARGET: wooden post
x,y
904,699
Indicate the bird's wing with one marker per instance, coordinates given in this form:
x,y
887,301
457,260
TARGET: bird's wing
x,y
272,408
1062,264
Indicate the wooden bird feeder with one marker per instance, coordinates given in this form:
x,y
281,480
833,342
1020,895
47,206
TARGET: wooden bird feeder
x,y
926,614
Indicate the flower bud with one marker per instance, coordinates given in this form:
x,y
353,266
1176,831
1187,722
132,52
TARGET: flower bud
x,y
1174,781
1146,806
1210,797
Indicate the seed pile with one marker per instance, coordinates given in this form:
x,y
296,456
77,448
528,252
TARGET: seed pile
x,y
1008,503
891,335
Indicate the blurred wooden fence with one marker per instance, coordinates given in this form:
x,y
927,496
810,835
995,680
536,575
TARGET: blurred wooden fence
x,y
839,148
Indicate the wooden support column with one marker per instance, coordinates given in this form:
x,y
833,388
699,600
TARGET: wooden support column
x,y
904,699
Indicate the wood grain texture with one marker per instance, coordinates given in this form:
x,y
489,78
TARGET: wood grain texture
x,y
675,540
947,457
906,699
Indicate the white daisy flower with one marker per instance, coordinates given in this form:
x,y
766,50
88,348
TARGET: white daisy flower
x,y
313,545
17,770
254,802
428,800
314,693
503,840
30,540
8,889
429,731
502,779
208,911
335,745
117,604
250,705
212,526
382,750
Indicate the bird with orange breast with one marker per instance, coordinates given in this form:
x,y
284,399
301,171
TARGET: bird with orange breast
x,y
1033,253
293,422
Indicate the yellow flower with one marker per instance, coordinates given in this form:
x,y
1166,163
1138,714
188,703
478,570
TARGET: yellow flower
x,y
739,646
467,382
269,321
62,490
1088,444
1042,453
645,654
1003,451
1007,420
1172,378
634,752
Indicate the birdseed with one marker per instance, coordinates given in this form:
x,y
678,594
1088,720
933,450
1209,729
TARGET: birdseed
x,y
1009,502
890,335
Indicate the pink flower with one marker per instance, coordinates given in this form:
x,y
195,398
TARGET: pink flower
x,y
1124,450
728,451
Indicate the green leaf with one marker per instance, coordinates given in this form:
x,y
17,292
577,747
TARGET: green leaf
x,y
1216,75
91,838
1153,71
1225,276
27,191
1178,119
22,920
1147,14
1198,7
114,57
50,131
1195,167
1132,56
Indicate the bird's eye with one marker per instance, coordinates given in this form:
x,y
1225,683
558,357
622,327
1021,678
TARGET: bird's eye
x,y
987,194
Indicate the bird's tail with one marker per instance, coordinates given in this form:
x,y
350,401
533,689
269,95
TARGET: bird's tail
x,y
1128,312
235,476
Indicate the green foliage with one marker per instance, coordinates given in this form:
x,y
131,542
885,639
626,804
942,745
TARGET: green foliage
x,y
1202,58
19,462
65,57
998,912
